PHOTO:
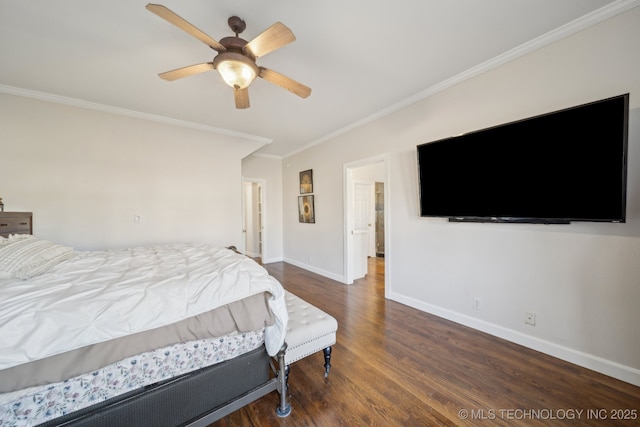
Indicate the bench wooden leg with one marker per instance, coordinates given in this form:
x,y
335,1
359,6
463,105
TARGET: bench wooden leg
x,y
327,361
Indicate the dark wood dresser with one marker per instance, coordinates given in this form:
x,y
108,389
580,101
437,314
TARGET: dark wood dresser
x,y
16,223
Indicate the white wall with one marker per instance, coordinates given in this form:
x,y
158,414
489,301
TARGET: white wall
x,y
582,280
268,170
85,174
316,247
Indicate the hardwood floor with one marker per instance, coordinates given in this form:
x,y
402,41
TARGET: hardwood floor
x,y
394,365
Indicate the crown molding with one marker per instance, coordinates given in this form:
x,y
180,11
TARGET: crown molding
x,y
586,21
267,156
42,96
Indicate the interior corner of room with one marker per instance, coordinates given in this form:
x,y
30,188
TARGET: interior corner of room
x,y
96,178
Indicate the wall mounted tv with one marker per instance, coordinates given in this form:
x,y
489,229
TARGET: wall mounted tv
x,y
568,165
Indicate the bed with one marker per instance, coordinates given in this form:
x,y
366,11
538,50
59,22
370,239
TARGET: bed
x,y
179,334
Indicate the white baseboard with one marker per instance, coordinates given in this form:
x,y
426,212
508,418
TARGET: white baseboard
x,y
272,260
316,270
589,361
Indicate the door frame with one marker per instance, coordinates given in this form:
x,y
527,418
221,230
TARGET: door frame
x,y
348,216
263,214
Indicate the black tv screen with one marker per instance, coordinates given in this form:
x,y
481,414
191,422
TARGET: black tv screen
x,y
568,165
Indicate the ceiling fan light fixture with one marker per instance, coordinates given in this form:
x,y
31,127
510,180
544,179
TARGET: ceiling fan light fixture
x,y
236,58
236,70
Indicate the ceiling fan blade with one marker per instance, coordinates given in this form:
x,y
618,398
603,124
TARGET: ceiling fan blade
x,y
242,98
186,71
272,38
285,82
176,20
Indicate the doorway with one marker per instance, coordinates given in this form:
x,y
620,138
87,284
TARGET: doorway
x,y
363,207
253,213
379,220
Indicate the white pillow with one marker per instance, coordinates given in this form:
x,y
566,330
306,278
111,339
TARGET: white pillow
x,y
23,256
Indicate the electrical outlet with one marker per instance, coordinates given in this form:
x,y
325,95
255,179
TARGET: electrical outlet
x,y
477,303
530,318
137,218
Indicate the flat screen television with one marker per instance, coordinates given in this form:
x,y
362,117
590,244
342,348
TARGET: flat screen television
x,y
568,165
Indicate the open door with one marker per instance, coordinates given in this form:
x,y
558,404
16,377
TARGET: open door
x,y
362,226
357,224
253,217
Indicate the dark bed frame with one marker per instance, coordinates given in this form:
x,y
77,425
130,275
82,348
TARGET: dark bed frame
x,y
196,399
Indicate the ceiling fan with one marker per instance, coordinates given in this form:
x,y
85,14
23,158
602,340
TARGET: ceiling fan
x,y
236,58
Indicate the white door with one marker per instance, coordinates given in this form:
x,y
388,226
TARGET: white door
x,y
361,227
253,221
247,217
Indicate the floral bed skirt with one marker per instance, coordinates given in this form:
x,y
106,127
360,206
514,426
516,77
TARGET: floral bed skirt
x,y
36,405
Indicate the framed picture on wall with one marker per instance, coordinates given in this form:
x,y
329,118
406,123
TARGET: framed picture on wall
x,y
306,211
306,181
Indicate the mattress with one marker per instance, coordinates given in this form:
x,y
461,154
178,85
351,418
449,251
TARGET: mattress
x,y
81,327
246,315
36,405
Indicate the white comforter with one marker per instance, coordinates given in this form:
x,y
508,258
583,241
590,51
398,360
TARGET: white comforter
x,y
100,295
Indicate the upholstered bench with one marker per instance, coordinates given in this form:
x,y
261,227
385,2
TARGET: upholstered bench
x,y
309,331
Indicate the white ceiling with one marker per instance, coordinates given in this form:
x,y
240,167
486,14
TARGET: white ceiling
x,y
362,58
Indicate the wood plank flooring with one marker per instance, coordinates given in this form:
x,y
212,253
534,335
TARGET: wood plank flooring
x,y
394,365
